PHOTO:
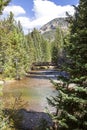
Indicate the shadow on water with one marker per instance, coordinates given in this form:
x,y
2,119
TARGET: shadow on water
x,y
29,120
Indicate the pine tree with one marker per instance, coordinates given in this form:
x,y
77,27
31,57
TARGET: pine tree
x,y
71,101
31,49
57,46
13,48
46,50
3,3
41,51
3,120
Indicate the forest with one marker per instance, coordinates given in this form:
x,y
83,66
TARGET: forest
x,y
67,51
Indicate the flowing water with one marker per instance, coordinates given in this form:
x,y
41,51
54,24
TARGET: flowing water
x,y
34,90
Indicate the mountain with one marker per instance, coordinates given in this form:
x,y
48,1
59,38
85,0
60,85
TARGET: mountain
x,y
48,30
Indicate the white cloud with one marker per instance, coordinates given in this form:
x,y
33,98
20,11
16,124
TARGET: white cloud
x,y
48,9
25,21
16,10
44,11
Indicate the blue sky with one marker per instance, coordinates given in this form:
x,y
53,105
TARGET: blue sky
x,y
36,13
28,6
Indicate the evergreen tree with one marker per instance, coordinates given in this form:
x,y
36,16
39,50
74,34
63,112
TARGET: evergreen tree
x,y
37,44
3,3
14,56
31,49
71,101
41,51
57,46
46,50
3,120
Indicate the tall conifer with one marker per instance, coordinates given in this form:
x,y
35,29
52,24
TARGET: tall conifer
x,y
3,3
71,102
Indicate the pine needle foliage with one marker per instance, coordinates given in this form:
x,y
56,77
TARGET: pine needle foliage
x,y
71,100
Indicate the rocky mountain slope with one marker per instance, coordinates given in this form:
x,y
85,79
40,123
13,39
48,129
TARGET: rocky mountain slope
x,y
48,30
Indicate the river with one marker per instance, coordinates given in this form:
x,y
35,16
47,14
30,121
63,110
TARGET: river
x,y
34,90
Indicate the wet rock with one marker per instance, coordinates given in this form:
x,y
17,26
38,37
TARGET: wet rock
x,y
31,120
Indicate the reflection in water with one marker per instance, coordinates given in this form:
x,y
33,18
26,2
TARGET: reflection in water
x,y
34,91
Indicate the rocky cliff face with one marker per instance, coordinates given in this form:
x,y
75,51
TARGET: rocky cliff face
x,y
48,30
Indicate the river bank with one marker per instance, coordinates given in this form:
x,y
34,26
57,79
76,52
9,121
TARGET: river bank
x,y
34,90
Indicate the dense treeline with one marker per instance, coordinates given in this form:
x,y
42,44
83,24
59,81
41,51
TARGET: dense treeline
x,y
13,54
17,51
39,48
57,47
3,120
